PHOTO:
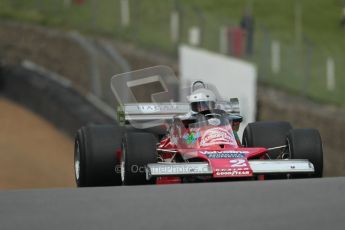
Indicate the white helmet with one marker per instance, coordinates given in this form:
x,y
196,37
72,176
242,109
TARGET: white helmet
x,y
201,98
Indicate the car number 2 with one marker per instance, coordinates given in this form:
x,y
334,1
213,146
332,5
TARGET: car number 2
x,y
238,163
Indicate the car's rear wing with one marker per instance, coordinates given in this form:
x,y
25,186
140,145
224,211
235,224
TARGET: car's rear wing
x,y
141,112
145,112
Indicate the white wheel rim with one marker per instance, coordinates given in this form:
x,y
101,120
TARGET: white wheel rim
x,y
123,164
77,162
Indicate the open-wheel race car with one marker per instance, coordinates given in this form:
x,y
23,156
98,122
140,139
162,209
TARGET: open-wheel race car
x,y
193,141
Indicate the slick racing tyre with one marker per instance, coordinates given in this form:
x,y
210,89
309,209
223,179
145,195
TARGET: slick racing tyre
x,y
266,134
95,157
138,150
306,144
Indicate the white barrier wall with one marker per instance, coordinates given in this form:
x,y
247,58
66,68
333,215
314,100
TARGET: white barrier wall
x,y
231,76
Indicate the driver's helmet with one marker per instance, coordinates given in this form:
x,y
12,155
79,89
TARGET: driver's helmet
x,y
201,98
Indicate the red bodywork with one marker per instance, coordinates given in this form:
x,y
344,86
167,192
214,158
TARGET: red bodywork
x,y
216,145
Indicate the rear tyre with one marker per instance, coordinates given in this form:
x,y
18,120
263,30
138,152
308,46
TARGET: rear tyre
x,y
95,157
306,144
138,150
266,134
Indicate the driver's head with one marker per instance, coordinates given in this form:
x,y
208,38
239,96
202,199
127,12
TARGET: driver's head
x,y
202,99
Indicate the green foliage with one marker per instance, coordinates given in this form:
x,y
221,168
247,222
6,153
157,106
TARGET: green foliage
x,y
303,68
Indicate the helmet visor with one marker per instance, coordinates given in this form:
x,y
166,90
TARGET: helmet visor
x,y
202,106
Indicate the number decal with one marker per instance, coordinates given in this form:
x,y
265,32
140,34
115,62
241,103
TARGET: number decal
x,y
238,163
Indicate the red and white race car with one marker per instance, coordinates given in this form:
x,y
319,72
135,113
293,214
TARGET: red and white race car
x,y
195,141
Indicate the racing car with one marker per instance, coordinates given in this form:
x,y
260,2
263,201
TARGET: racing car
x,y
193,141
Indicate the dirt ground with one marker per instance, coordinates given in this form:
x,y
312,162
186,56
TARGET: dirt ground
x,y
33,153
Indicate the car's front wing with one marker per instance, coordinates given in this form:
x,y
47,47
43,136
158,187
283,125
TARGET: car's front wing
x,y
258,167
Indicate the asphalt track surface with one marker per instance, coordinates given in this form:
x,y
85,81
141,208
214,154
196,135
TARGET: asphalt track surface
x,y
293,204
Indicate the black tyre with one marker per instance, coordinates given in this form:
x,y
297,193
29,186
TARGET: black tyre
x,y
266,134
95,157
138,150
306,144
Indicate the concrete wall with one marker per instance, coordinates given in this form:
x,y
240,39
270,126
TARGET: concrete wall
x,y
56,101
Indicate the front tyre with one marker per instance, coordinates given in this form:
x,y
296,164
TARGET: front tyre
x,y
95,157
306,144
138,150
266,134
